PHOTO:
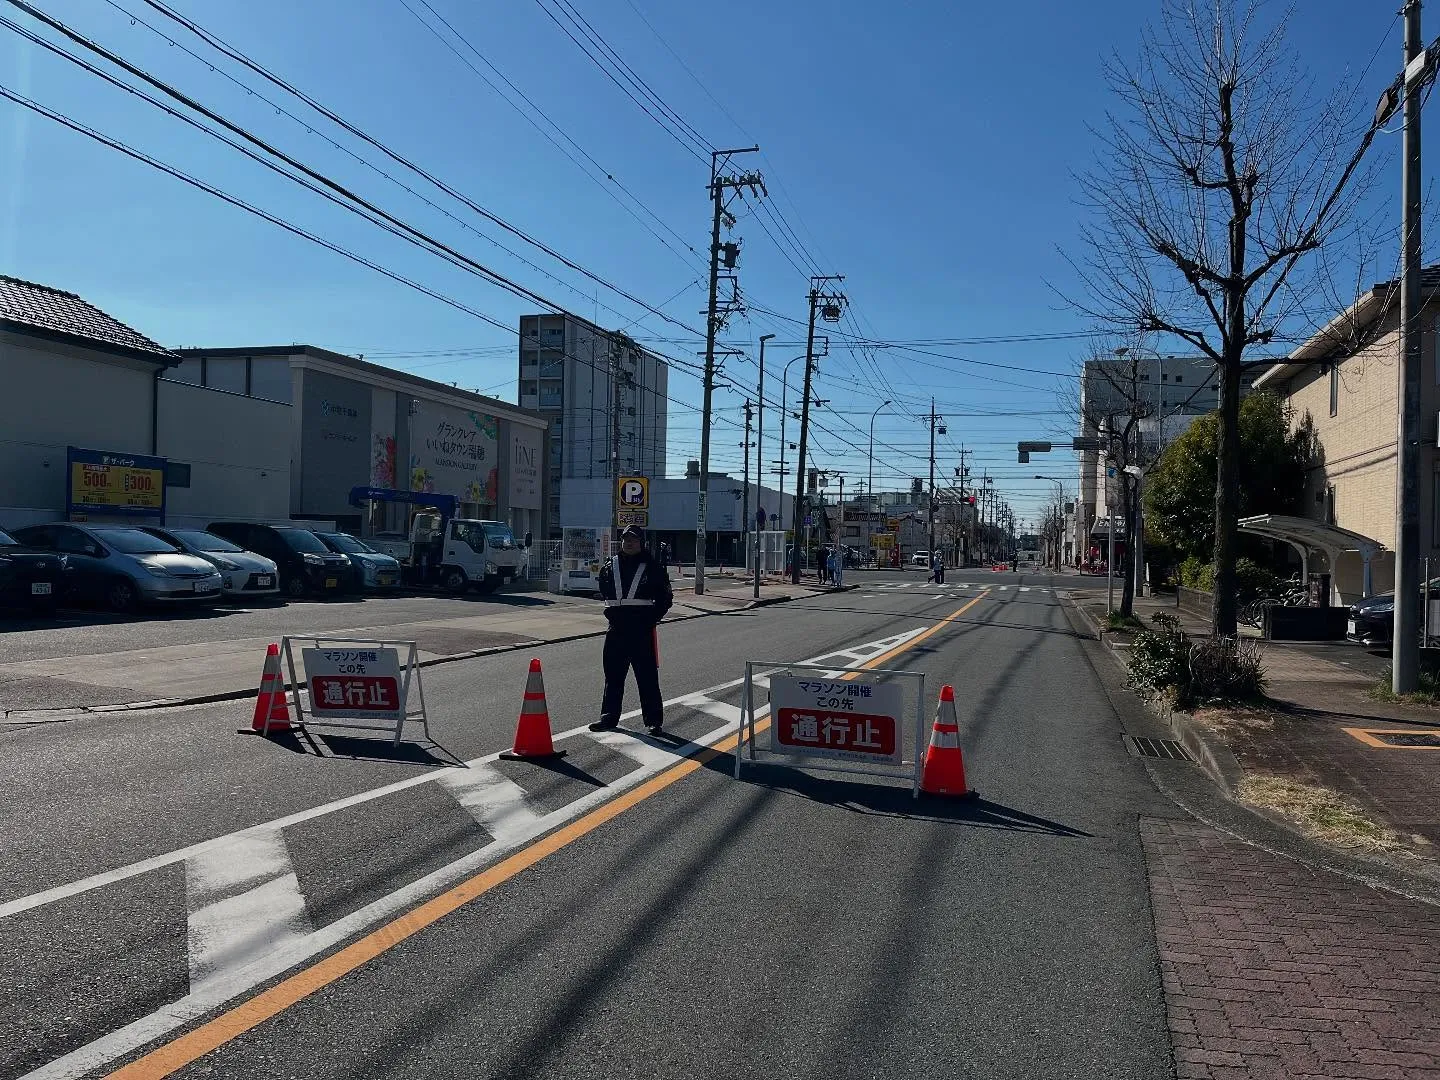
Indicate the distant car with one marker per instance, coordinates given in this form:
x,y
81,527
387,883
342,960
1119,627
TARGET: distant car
x,y
30,579
376,570
306,566
920,558
123,567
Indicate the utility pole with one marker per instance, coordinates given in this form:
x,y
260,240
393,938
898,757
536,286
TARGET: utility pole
x,y
934,420
614,470
760,462
714,319
1405,658
745,499
828,306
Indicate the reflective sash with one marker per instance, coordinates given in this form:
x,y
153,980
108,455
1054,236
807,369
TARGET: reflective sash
x,y
629,598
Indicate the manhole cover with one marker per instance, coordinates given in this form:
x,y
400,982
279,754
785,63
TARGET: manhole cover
x,y
1406,738
1156,748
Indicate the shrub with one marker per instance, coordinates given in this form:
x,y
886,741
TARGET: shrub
x,y
1226,668
1197,573
1252,579
1165,661
1160,658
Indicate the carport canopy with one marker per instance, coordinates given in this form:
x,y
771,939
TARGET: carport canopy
x,y
1305,536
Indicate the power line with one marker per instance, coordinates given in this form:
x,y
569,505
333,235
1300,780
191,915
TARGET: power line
x,y
239,57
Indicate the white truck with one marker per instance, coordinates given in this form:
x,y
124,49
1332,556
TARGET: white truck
x,y
441,550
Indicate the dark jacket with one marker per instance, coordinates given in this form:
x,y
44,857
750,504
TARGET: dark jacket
x,y
654,589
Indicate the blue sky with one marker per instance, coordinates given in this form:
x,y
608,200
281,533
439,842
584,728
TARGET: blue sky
x,y
924,150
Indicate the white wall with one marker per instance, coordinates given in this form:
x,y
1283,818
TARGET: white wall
x,y
57,396
238,450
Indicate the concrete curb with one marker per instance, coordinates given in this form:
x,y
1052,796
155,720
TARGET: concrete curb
x,y
1212,755
50,716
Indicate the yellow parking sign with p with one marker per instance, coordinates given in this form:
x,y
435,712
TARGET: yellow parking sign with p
x,y
633,493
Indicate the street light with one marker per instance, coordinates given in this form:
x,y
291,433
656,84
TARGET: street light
x,y
870,486
760,472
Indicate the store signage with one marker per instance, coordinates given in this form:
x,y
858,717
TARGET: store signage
x,y
97,481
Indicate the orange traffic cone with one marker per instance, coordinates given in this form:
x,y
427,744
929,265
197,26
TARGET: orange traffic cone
x,y
532,733
272,711
944,772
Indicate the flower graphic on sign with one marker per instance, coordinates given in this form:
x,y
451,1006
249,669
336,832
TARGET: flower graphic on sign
x,y
420,478
382,464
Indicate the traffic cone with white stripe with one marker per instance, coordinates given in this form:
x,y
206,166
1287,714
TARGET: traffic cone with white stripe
x,y
532,733
944,771
272,711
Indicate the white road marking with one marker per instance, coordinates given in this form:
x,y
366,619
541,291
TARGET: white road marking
x,y
230,984
495,801
230,929
155,862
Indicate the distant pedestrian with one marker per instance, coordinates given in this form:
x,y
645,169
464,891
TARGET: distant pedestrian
x,y
637,594
824,566
837,568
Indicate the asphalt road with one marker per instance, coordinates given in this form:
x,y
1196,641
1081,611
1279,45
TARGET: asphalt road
x,y
630,910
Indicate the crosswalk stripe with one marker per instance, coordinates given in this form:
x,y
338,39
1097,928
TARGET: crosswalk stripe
x,y
229,929
495,801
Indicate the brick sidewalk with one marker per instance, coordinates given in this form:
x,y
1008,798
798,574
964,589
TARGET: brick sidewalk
x,y
1272,970
1303,737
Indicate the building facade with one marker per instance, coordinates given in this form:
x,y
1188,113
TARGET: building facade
x,y
357,424
1345,380
89,399
602,396
1167,393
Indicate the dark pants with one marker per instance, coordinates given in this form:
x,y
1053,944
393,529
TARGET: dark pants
x,y
626,649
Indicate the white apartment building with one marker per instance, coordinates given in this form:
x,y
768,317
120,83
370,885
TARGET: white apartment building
x,y
597,389
1183,387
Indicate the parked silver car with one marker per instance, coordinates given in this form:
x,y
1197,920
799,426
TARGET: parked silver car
x,y
125,567
246,573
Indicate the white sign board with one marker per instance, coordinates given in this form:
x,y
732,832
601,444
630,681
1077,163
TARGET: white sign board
x,y
354,683
842,719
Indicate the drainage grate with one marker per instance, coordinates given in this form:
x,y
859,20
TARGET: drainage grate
x,y
1157,748
1405,738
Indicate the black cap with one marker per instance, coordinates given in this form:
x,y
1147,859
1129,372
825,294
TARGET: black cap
x,y
632,530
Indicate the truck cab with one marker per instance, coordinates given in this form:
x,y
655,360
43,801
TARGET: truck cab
x,y
457,554
468,553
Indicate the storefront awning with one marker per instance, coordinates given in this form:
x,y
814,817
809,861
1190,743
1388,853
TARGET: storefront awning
x,y
1306,536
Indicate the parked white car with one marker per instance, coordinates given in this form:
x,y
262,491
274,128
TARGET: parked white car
x,y
245,573
920,558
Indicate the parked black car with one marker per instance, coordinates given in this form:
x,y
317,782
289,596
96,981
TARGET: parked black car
x,y
306,566
30,579
1372,620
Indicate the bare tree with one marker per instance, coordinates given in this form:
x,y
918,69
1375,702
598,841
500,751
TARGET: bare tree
x,y
1219,174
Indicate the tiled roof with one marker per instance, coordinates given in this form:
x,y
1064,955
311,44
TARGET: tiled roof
x,y
24,304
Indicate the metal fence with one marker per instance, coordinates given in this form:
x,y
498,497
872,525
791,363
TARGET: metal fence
x,y
772,554
544,558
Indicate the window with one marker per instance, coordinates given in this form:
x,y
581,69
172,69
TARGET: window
x,y
1334,389
1179,378
1330,504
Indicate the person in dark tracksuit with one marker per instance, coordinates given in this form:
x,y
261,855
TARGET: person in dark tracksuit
x,y
637,594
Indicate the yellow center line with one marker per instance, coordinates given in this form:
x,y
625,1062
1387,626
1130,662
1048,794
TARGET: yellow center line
x,y
230,1025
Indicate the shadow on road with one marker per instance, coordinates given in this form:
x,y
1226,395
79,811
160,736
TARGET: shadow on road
x,y
359,748
885,800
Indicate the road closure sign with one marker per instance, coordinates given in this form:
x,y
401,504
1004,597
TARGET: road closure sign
x,y
356,684
841,719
